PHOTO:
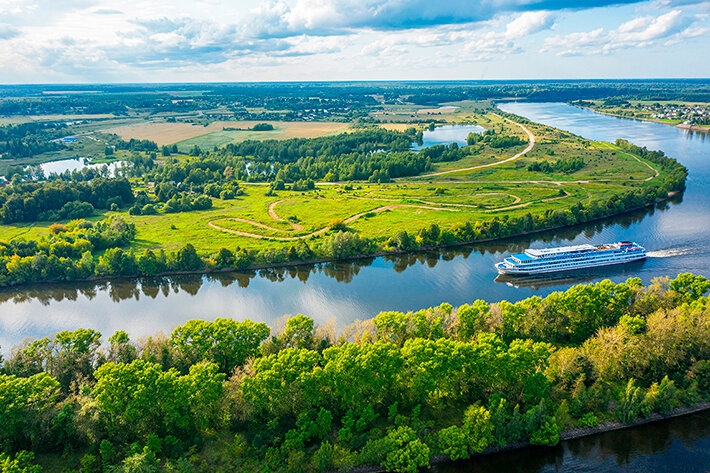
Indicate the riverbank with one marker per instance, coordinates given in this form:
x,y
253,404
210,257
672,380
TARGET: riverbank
x,y
682,126
315,261
566,435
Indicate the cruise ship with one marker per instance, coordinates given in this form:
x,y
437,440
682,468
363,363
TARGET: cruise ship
x,y
565,258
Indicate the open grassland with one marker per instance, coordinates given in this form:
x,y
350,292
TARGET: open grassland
x,y
187,135
504,188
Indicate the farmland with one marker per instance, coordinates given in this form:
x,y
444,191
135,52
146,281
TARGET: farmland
x,y
187,135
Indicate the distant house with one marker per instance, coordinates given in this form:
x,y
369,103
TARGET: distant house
x,y
69,139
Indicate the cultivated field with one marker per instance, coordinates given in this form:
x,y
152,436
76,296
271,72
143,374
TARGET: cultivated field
x,y
187,134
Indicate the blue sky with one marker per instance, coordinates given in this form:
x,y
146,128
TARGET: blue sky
x,y
283,40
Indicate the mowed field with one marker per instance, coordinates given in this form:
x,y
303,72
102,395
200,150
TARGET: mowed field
x,y
188,134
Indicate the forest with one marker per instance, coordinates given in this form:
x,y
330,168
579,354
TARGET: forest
x,y
397,391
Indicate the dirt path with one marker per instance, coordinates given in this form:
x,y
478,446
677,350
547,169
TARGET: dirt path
x,y
272,213
531,144
511,207
637,159
317,232
295,227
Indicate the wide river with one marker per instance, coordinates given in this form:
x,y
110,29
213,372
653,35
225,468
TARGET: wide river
x,y
676,235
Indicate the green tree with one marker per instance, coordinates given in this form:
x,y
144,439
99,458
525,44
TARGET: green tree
x,y
407,453
226,342
22,462
478,428
453,442
24,405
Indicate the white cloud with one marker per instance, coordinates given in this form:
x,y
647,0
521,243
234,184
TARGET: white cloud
x,y
529,23
638,32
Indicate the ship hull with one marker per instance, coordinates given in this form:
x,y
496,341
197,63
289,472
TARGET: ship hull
x,y
582,265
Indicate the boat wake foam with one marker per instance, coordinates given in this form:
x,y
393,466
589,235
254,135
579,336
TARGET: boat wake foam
x,y
671,252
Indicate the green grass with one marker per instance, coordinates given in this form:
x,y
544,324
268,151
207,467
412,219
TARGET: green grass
x,y
479,195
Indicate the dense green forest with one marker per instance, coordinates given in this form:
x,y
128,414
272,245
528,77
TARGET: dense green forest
x,y
394,391
30,139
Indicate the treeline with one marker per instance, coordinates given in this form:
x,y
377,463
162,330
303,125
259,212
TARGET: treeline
x,y
392,392
494,140
67,254
30,139
374,155
137,145
675,173
566,165
56,200
284,151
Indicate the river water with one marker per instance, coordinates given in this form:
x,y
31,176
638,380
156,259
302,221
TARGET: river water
x,y
676,445
675,234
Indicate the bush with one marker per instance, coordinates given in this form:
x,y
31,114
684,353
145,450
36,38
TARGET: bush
x,y
148,209
226,194
337,225
203,202
588,421
406,453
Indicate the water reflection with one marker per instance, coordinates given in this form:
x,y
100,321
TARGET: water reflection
x,y
674,234
444,135
680,444
341,271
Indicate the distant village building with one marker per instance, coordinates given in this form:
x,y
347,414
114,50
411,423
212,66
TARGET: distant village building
x,y
69,139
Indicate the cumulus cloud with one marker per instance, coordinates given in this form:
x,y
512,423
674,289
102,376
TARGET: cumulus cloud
x,y
329,16
478,43
86,35
638,32
8,31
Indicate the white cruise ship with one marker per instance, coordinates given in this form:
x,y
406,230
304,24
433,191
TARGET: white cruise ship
x,y
565,258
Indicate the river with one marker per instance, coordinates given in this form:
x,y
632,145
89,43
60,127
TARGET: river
x,y
675,234
681,444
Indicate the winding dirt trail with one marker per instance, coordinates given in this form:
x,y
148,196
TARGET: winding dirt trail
x,y
447,207
272,213
317,232
639,160
531,144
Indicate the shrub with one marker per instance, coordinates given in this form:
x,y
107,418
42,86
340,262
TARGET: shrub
x,y
588,421
337,225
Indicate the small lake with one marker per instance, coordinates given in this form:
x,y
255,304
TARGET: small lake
x,y
447,134
76,164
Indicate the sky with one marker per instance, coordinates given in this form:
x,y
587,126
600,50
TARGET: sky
x,y
83,41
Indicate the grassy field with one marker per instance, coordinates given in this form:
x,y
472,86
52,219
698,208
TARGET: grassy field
x,y
258,221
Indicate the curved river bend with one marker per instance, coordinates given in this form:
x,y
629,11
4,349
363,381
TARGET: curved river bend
x,y
675,235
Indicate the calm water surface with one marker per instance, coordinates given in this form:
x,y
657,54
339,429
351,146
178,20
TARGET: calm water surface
x,y
76,164
675,233
443,135
673,446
